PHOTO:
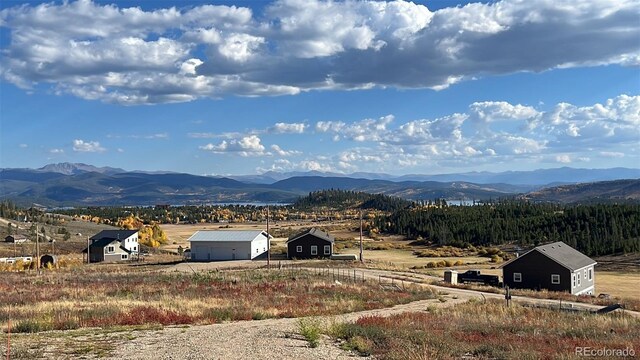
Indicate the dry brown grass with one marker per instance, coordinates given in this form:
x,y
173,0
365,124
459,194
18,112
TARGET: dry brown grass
x,y
487,331
107,296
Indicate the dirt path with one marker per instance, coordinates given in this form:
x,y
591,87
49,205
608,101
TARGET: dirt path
x,y
264,339
278,338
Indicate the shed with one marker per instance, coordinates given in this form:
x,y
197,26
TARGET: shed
x,y
208,245
556,266
16,239
309,244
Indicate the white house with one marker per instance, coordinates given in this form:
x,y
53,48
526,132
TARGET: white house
x,y
208,245
128,239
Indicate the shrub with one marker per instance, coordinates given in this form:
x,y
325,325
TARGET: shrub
x,y
30,326
431,264
310,329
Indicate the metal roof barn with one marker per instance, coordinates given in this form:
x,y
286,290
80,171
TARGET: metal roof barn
x,y
215,245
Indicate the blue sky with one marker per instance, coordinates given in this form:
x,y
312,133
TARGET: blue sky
x,y
247,87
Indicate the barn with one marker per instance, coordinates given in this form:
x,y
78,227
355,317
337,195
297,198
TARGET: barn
x,y
309,244
210,245
556,266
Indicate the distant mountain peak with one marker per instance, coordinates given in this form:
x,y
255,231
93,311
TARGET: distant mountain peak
x,y
67,168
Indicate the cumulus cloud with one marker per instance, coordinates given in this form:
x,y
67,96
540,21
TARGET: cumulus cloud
x,y
492,131
135,56
363,130
245,146
87,146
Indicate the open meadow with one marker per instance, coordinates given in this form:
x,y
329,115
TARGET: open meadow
x,y
112,295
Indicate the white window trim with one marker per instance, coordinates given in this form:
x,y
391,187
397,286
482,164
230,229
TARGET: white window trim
x,y
124,257
327,249
585,274
314,250
555,279
579,282
590,274
574,280
299,248
111,249
517,277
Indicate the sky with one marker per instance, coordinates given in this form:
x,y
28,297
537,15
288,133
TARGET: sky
x,y
245,87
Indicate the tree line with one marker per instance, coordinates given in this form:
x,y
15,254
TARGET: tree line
x,y
597,229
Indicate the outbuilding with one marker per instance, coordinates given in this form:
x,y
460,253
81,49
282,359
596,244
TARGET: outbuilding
x,y
16,239
210,245
556,266
310,244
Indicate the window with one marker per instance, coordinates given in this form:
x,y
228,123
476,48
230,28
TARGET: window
x,y
257,250
111,249
585,274
578,278
327,249
124,256
590,274
135,248
574,280
314,250
555,279
517,277
299,248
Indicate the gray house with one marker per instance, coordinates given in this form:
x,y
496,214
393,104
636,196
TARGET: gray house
x,y
309,244
556,267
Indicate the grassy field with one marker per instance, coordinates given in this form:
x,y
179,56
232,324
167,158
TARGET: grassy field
x,y
109,296
486,331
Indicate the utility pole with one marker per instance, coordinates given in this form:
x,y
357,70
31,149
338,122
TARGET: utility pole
x,y
88,251
37,249
361,259
268,241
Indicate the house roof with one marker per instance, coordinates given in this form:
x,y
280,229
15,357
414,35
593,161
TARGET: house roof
x,y
561,253
227,235
106,241
17,237
315,232
114,234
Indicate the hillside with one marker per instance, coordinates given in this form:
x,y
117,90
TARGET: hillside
x,y
342,200
85,185
596,192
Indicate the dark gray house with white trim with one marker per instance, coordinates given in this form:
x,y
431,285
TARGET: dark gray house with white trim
x,y
556,266
113,246
310,244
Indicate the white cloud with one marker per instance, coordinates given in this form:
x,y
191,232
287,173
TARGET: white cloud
x,y
87,146
245,146
312,165
23,146
136,56
56,151
611,154
288,128
278,150
363,130
563,158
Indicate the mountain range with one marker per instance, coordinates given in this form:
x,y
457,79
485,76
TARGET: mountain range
x,y
69,184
